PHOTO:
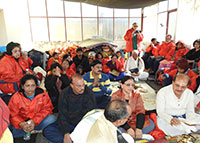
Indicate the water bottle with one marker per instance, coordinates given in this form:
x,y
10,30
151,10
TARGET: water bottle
x,y
27,135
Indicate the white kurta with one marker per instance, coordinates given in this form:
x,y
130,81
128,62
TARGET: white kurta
x,y
167,104
138,63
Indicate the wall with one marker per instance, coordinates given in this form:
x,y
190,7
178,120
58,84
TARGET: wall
x,y
16,23
3,35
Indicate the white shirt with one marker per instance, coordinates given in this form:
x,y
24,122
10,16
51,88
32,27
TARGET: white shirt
x,y
167,104
132,63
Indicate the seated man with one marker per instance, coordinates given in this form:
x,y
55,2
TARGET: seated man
x,y
150,51
99,83
76,100
30,108
135,67
175,108
104,130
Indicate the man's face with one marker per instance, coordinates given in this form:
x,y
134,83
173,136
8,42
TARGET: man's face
x,y
16,52
78,86
135,26
56,56
168,38
97,69
154,42
179,86
196,45
180,70
79,53
65,65
91,59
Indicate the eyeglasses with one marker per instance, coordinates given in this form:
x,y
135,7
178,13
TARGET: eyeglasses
x,y
128,84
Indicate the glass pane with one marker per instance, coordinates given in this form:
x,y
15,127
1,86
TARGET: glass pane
x,y
39,29
55,8
57,29
89,10
163,6
161,27
72,9
89,27
137,20
121,12
173,4
37,7
172,23
73,26
151,10
136,12
121,26
106,28
105,12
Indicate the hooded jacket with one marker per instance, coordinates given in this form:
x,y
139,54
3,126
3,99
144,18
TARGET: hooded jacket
x,y
23,109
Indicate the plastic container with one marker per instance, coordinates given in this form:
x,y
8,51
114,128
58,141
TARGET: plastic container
x,y
27,136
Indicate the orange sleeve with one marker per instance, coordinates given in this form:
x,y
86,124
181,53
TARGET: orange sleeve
x,y
15,118
148,49
128,35
139,105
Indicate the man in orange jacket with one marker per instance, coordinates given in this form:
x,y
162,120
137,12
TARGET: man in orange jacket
x,y
133,38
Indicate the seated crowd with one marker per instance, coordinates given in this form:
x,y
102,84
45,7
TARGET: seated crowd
x,y
76,85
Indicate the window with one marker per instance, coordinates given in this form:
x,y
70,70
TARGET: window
x,y
106,28
161,26
72,9
121,26
89,27
173,4
39,29
37,7
73,27
57,29
56,20
55,8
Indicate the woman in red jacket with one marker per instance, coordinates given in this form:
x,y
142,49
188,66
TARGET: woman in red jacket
x,y
12,68
137,124
30,103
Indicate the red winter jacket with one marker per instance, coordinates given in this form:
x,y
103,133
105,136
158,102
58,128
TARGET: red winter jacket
x,y
164,48
4,117
152,48
22,108
11,71
129,40
178,54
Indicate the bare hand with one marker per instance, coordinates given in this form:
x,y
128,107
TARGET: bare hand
x,y
67,138
162,77
24,56
175,122
131,132
57,72
138,133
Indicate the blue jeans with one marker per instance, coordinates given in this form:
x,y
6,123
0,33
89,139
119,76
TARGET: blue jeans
x,y
112,77
149,128
17,133
53,133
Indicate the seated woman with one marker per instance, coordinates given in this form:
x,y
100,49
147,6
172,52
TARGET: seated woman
x,y
55,82
137,124
54,58
12,68
66,68
30,103
114,69
135,67
193,55
120,58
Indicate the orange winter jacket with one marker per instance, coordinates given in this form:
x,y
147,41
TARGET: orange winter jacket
x,y
152,48
11,71
23,109
178,54
164,48
129,40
